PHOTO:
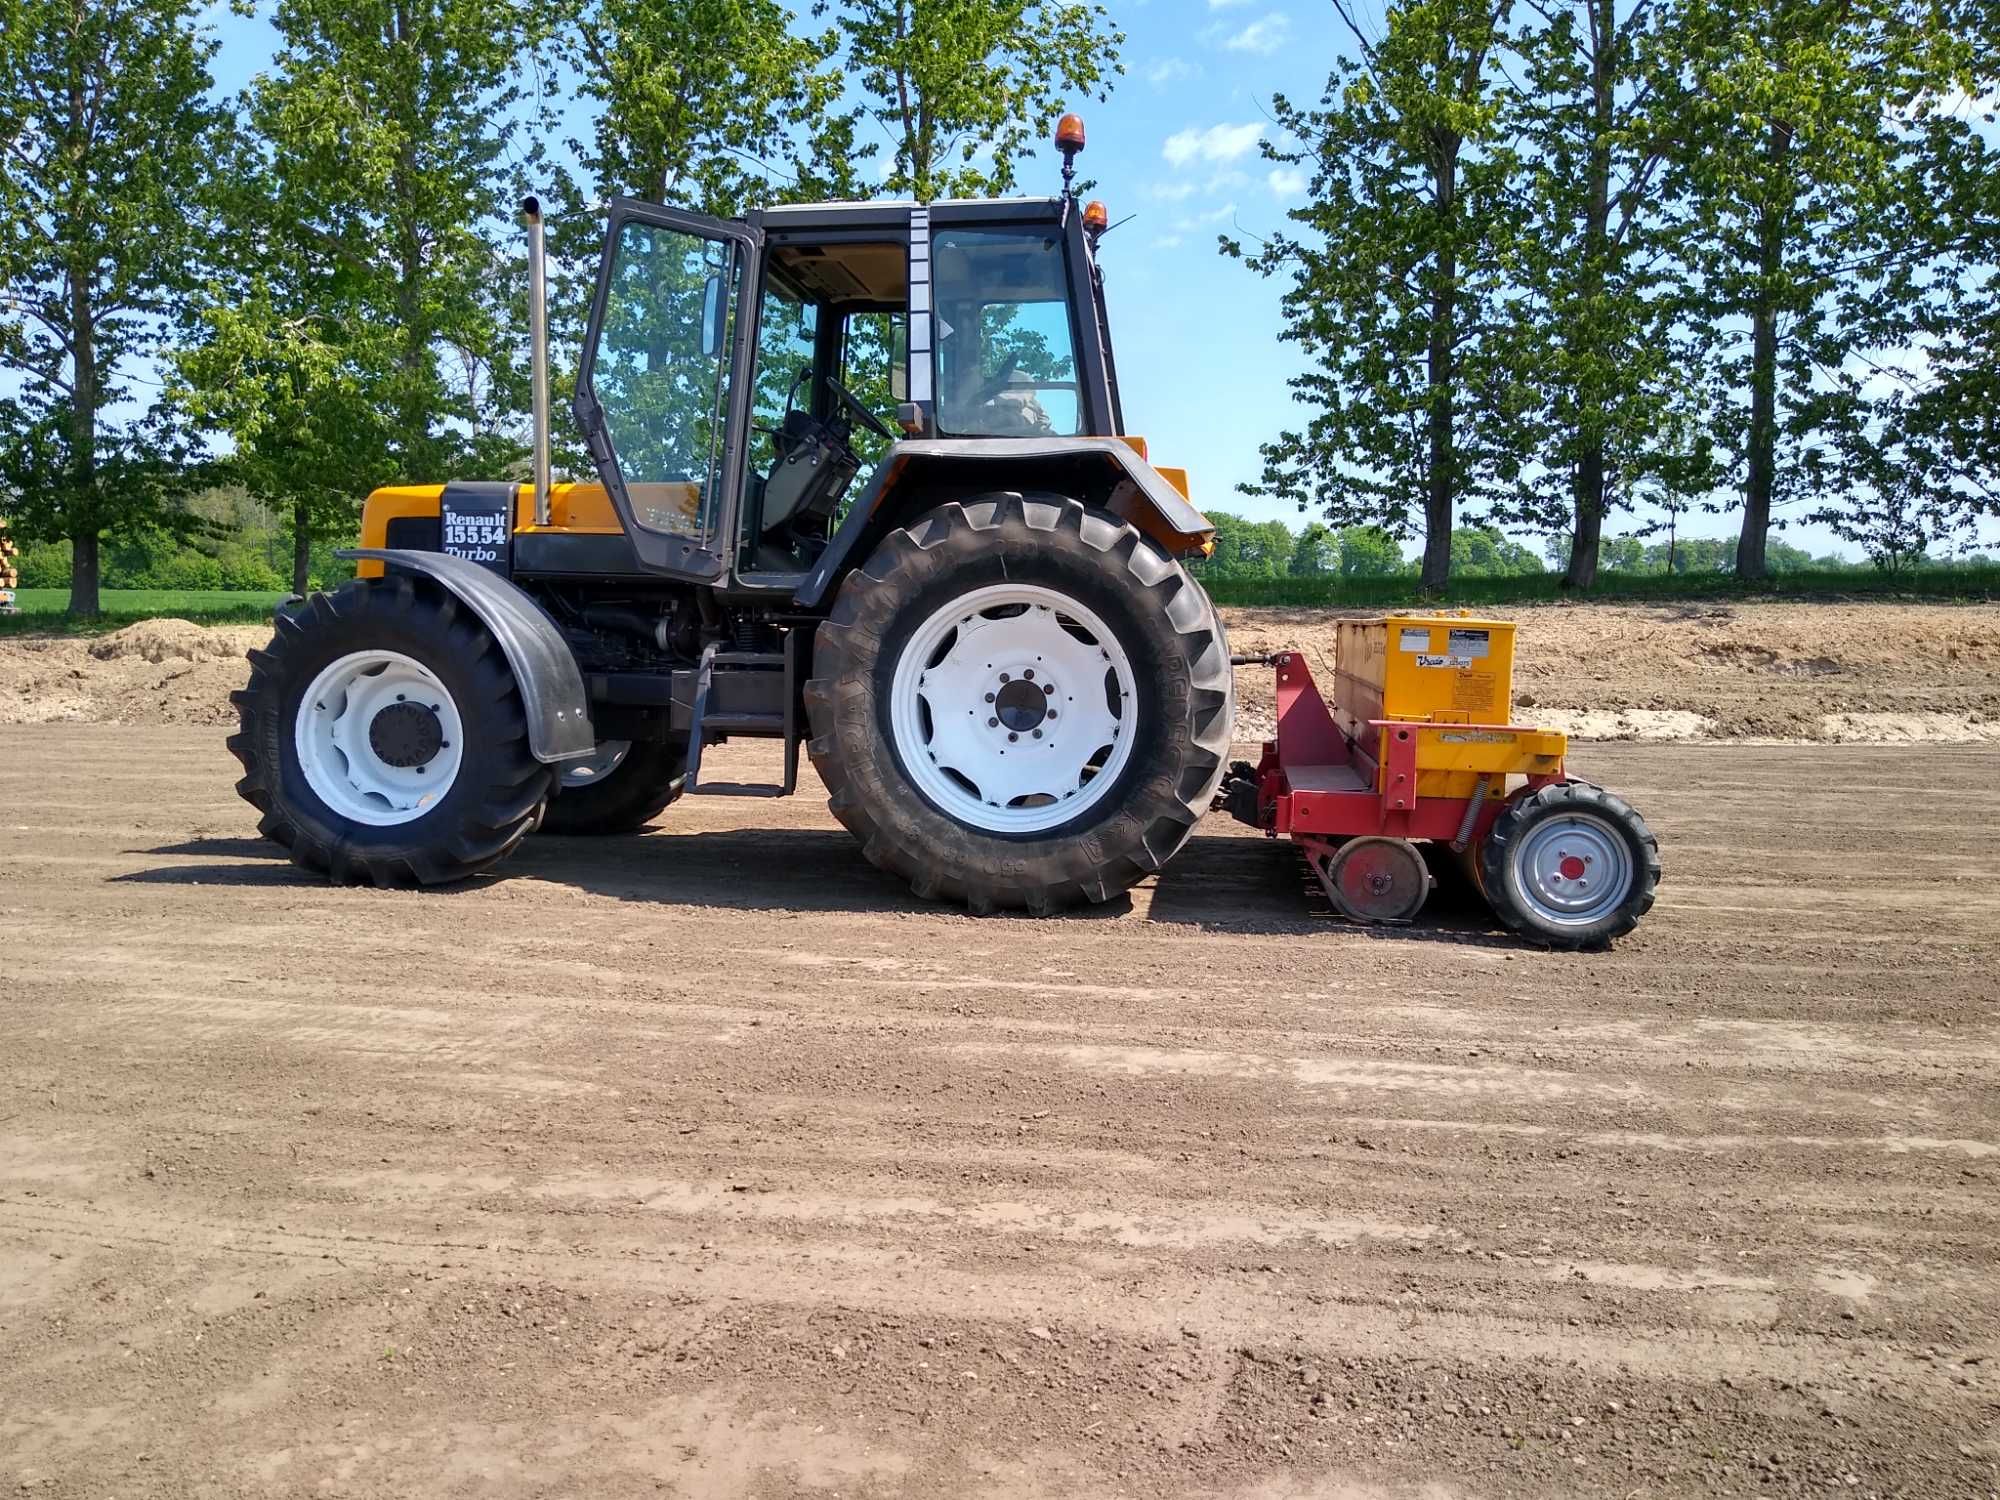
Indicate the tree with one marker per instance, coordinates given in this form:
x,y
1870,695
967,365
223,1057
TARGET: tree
x,y
1395,268
1247,549
963,90
1598,323
1316,553
109,139
1800,174
387,124
1369,552
1482,552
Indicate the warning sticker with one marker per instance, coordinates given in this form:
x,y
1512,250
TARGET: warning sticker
x,y
1416,638
1469,642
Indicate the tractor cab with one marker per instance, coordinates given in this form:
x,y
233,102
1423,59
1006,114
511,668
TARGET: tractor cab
x,y
739,377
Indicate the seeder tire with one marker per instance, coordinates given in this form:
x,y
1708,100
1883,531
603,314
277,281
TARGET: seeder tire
x,y
1570,865
1101,612
492,788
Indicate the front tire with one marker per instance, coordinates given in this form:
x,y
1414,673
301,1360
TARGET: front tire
x,y
1020,703
384,740
620,789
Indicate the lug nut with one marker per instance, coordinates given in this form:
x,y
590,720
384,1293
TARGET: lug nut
x,y
989,697
1029,675
1052,713
1012,737
992,723
1049,688
1038,734
1003,676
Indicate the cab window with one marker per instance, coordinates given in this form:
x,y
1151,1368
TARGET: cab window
x,y
1005,350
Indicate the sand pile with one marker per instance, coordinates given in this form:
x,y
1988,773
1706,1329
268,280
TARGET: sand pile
x,y
155,672
1874,673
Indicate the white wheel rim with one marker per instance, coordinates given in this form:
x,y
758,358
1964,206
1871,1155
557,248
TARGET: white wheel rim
x,y
1574,869
1013,708
379,738
600,763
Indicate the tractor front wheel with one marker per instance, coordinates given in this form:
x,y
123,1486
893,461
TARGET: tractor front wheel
x,y
1019,702
384,740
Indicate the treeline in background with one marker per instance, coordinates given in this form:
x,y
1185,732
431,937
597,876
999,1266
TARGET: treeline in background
x,y
1571,268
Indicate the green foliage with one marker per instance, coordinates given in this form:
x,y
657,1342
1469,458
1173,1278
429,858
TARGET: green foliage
x,y
1394,272
965,89
110,141
45,609
1968,581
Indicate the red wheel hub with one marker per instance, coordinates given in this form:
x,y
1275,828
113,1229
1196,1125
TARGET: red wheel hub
x,y
1571,867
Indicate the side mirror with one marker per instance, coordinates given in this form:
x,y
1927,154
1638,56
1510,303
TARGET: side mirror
x,y
714,314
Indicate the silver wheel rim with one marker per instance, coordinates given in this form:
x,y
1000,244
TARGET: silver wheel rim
x,y
1013,708
1573,869
379,739
594,767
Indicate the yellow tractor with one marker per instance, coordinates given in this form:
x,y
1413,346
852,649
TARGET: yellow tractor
x,y
863,484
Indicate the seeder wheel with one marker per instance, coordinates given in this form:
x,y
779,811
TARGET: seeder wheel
x,y
1376,879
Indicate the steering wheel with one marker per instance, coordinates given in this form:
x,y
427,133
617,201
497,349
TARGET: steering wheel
x,y
859,412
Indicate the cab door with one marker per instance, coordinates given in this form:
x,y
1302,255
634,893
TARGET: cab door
x,y
663,388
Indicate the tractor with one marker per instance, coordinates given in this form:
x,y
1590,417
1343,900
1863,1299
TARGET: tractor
x,y
862,484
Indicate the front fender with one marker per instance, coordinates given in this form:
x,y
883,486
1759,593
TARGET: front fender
x,y
544,668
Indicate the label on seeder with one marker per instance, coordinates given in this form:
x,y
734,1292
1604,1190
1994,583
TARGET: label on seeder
x,y
477,529
1428,660
1416,638
1469,642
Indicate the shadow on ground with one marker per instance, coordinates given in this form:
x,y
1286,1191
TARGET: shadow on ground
x,y
1223,882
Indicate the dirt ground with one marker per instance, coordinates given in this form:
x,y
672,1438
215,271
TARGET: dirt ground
x,y
710,1163
1862,673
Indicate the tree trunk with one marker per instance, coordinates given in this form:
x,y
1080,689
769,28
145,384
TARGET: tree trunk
x,y
301,547
1588,533
83,576
1760,478
1441,377
1590,487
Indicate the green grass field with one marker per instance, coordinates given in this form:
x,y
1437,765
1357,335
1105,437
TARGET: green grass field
x,y
43,609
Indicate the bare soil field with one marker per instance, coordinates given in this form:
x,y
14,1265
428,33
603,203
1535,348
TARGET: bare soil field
x,y
710,1163
1864,673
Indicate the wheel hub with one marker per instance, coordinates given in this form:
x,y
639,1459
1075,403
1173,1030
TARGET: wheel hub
x,y
1574,870
406,734
1012,708
1022,704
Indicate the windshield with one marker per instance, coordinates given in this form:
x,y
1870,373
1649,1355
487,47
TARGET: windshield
x,y
1006,349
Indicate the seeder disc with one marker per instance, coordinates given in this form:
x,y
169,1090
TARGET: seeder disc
x,y
1378,879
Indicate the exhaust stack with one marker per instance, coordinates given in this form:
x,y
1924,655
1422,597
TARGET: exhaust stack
x,y
538,350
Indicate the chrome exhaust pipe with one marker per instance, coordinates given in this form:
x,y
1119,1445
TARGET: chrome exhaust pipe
x,y
538,350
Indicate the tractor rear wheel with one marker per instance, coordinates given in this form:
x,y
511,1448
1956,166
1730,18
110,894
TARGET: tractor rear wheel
x,y
1020,702
1570,865
384,740
622,787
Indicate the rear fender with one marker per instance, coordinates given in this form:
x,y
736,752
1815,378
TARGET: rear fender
x,y
916,476
544,668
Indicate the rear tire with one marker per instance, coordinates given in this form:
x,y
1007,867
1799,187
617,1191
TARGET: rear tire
x,y
1105,613
1570,865
622,799
336,797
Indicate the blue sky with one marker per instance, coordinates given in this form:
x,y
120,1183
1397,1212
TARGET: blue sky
x,y
1202,368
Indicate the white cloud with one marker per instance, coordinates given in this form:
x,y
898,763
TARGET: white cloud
x,y
1167,242
1263,36
1168,70
1217,143
1226,4
1202,220
1171,192
1286,182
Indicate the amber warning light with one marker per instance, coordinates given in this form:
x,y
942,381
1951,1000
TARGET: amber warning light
x,y
1069,134
1095,217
